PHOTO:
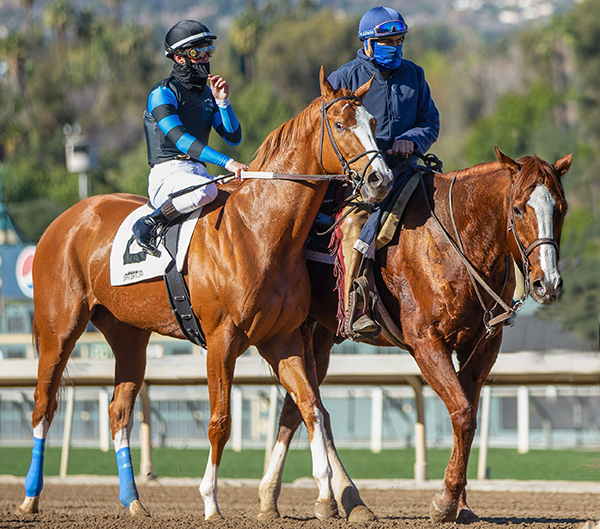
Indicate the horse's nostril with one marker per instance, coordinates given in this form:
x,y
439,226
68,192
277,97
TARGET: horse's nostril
x,y
538,286
374,180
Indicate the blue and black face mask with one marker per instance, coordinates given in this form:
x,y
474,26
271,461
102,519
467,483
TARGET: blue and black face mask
x,y
387,57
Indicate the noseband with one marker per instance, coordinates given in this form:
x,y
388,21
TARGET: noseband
x,y
357,182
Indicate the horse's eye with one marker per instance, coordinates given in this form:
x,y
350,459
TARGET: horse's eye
x,y
339,125
517,212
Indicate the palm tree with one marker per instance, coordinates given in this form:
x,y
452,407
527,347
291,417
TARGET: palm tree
x,y
60,15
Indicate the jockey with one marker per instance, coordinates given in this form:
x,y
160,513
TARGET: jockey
x,y
178,118
407,121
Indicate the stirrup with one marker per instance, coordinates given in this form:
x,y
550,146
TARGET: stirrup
x,y
358,320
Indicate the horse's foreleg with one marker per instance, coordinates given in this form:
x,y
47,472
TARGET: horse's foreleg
x,y
434,360
129,347
54,352
220,365
287,359
318,339
472,377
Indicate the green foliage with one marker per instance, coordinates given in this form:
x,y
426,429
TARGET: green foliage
x,y
512,125
292,51
259,112
530,90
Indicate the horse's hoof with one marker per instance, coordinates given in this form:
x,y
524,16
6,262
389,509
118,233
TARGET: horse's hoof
x,y
466,516
440,513
137,509
325,510
361,513
214,517
29,506
268,514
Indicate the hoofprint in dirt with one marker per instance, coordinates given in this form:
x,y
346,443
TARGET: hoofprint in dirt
x,y
178,507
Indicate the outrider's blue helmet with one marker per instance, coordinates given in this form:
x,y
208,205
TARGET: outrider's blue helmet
x,y
381,22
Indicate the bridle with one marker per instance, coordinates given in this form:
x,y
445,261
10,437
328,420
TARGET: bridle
x,y
356,180
526,252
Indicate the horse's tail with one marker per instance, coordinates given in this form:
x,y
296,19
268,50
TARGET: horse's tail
x,y
35,336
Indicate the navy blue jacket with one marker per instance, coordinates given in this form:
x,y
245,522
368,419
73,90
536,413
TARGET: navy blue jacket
x,y
402,103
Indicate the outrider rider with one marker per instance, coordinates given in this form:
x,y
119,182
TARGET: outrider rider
x,y
407,121
180,113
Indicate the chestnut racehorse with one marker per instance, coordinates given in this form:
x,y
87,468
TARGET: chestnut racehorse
x,y
247,279
511,210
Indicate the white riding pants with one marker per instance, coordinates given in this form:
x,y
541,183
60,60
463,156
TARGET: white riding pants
x,y
169,177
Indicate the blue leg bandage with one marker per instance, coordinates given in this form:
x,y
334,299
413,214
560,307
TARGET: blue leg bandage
x,y
127,490
35,477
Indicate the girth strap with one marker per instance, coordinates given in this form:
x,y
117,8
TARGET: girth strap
x,y
178,293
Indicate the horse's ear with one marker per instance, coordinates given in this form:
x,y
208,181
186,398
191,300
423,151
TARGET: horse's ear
x,y
361,91
507,162
326,88
562,166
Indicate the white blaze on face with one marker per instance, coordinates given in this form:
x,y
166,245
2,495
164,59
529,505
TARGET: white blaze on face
x,y
542,202
363,132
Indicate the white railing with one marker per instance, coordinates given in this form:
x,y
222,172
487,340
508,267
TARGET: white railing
x,y
511,369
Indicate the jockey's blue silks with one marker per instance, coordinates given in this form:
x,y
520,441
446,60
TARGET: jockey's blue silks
x,y
388,57
127,490
35,477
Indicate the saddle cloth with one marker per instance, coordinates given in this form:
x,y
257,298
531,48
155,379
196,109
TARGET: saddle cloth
x,y
130,264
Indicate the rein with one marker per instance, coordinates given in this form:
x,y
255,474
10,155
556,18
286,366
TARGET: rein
x,y
348,175
488,321
510,311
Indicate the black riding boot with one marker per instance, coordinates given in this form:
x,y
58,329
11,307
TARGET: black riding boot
x,y
146,229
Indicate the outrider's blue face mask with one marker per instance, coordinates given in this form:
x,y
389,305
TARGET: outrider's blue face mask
x,y
388,57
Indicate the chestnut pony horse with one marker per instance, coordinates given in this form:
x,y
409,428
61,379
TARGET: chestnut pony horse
x,y
511,210
247,279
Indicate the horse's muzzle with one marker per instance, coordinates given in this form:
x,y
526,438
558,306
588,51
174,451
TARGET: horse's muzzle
x,y
546,292
376,187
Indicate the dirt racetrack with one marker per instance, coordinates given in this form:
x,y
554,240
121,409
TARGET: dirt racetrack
x,y
177,507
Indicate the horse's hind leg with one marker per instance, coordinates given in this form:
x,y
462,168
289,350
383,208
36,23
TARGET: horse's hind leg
x,y
129,347
54,338
318,341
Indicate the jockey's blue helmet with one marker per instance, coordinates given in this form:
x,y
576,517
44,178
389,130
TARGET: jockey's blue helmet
x,y
381,22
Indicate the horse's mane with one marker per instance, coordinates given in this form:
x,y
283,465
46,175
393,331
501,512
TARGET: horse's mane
x,y
287,136
533,171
